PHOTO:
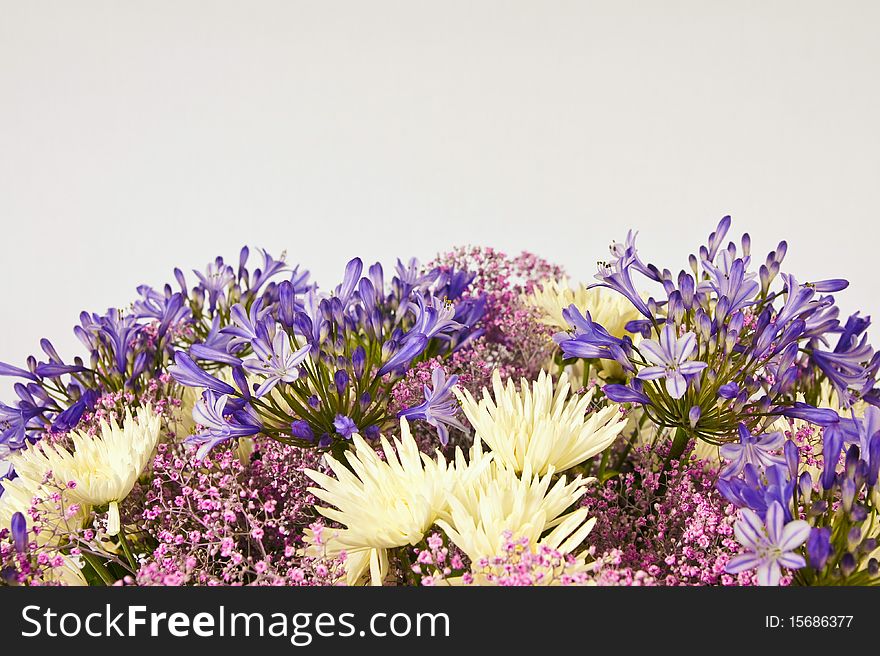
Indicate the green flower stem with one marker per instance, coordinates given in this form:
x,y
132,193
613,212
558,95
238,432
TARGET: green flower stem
x,y
98,567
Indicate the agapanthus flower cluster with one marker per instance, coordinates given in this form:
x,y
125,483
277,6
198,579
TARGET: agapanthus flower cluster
x,y
128,349
314,369
479,420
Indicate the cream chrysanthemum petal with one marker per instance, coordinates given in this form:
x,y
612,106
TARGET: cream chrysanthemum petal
x,y
539,428
528,506
382,503
607,308
104,468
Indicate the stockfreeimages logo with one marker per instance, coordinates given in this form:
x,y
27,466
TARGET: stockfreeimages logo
x,y
300,629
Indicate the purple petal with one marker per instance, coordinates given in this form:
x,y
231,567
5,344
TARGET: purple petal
x,y
651,373
791,560
692,367
742,562
793,535
685,346
749,529
769,574
776,522
653,352
676,385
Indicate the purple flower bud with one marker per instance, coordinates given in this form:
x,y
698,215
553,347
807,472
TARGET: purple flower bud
x,y
694,415
703,325
687,288
873,567
847,493
781,250
873,459
358,360
287,304
181,280
848,564
388,349
852,460
818,416
301,429
829,286
805,484
819,547
792,457
19,532
625,394
853,538
340,379
371,432
365,401
728,391
721,309
313,401
764,277
858,513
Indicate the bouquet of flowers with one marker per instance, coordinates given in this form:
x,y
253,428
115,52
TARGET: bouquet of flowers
x,y
478,420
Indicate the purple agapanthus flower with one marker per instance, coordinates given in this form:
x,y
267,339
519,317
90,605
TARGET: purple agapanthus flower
x,y
439,407
350,279
670,357
819,416
119,331
401,355
243,330
345,426
731,281
282,364
756,450
631,393
758,492
617,276
270,267
590,340
769,545
215,279
846,366
211,413
186,372
434,316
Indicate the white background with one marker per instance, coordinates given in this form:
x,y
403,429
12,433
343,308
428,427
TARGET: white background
x,y
137,136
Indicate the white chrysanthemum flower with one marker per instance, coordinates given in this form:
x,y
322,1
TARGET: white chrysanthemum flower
x,y
485,507
607,307
382,503
104,468
539,428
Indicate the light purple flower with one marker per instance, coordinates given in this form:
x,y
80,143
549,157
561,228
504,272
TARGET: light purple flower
x,y
439,407
670,357
282,364
770,546
210,412
756,450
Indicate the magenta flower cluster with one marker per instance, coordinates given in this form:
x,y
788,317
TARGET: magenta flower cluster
x,y
670,528
222,522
